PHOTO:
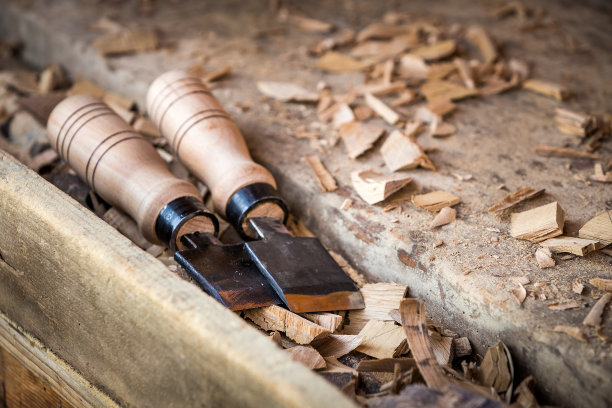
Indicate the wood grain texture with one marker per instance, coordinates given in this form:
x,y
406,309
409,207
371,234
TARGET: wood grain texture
x,y
159,341
203,136
116,161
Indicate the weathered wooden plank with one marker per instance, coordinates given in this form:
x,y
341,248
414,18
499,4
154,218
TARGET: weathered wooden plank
x,y
116,314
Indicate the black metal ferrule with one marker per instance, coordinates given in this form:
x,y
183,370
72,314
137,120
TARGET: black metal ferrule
x,y
246,199
176,213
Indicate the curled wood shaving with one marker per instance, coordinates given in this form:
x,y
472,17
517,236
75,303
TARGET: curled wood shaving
x,y
515,198
445,216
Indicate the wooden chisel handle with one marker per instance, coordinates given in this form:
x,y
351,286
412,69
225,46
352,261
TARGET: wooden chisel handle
x,y
209,143
126,170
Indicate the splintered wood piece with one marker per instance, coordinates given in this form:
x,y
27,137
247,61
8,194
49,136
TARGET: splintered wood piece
x,y
276,338
307,356
465,72
401,152
436,200
547,88
337,345
379,299
385,365
335,366
413,67
576,246
445,216
374,187
297,328
602,284
325,179
310,24
86,87
441,89
515,198
382,88
598,228
286,92
336,62
481,40
538,224
462,347
348,269
441,107
520,293
601,176
126,42
593,318
50,79
436,51
111,98
329,321
552,151
359,137
442,129
343,115
575,123
218,74
344,37
127,115
362,113
495,368
382,340
442,347
383,31
563,306
414,324
544,258
573,331
381,109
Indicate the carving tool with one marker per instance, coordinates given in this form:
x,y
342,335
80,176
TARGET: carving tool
x,y
126,170
209,143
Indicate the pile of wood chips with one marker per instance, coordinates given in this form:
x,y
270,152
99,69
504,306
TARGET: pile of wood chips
x,y
381,355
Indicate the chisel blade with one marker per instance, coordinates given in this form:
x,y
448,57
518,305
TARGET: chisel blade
x,y
226,272
300,270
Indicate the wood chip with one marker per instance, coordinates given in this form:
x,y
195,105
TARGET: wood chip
x,y
381,109
359,137
413,67
435,200
51,78
362,113
297,328
573,331
481,40
326,180
445,216
598,228
307,356
602,284
343,115
333,365
544,258
383,31
462,347
520,293
310,25
552,151
337,345
374,187
547,88
436,51
346,204
384,88
86,87
276,338
344,37
146,127
286,92
601,176
385,365
440,89
442,347
577,287
218,74
515,198
414,324
442,129
400,152
572,245
329,321
495,370
575,123
382,340
335,62
593,318
465,73
563,306
126,42
379,299
539,223
441,107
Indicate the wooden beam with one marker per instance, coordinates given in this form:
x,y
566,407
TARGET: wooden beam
x,y
116,314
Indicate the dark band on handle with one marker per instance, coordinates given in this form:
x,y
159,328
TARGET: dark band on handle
x,y
246,199
175,214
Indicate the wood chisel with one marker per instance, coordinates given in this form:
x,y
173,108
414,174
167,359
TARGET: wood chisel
x,y
126,170
207,141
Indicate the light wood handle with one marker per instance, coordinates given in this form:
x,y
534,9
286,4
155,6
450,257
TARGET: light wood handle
x,y
119,164
203,136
